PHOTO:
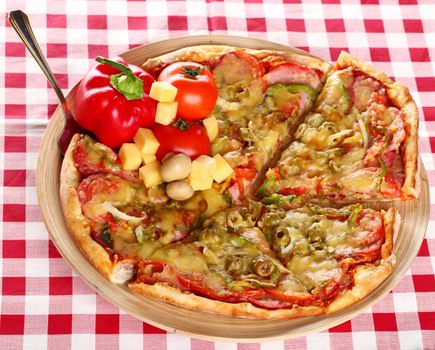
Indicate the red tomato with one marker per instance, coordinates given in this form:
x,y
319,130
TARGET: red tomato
x,y
197,91
298,190
244,175
182,136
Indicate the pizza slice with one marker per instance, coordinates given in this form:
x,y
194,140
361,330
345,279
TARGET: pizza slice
x,y
272,263
115,220
262,95
358,144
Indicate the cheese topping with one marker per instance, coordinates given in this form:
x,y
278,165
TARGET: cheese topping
x,y
253,123
339,149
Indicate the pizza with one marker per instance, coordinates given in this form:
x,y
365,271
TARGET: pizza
x,y
262,95
358,144
273,218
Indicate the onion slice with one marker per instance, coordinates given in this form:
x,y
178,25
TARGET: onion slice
x,y
364,133
119,214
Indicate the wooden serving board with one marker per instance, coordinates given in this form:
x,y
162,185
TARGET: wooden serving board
x,y
415,216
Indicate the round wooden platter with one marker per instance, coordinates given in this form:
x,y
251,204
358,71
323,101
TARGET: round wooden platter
x,y
415,216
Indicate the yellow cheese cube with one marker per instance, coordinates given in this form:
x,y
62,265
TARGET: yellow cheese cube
x,y
211,126
203,168
166,112
201,185
223,169
146,141
163,91
148,158
150,174
130,156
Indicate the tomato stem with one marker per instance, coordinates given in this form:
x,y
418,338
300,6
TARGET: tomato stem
x,y
181,124
192,72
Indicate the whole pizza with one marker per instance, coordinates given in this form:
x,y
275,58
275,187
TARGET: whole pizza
x,y
241,182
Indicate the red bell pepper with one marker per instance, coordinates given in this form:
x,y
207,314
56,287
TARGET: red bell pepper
x,y
112,101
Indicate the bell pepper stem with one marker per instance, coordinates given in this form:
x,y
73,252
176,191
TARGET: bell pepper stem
x,y
123,68
126,82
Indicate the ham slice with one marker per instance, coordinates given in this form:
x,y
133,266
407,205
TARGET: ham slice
x,y
289,73
394,164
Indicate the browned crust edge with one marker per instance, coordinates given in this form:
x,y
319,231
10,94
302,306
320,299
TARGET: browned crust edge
x,y
368,277
195,302
77,223
401,97
206,53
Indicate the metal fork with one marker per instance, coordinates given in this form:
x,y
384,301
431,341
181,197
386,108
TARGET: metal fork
x,y
20,22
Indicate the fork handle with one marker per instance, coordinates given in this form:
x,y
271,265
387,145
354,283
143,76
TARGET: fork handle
x,y
20,22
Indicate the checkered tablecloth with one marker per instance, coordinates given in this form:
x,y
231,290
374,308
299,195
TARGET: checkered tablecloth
x,y
42,303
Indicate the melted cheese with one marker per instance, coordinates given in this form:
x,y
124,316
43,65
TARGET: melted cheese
x,y
184,257
315,273
215,201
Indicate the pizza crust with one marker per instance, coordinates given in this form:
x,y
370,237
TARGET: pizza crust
x,y
391,227
177,297
346,60
210,53
78,226
368,277
401,97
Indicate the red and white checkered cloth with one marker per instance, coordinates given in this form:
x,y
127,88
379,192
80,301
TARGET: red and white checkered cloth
x,y
43,303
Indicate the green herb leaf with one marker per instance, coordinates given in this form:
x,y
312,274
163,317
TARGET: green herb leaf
x,y
329,211
107,238
354,215
240,285
263,188
181,228
227,198
279,200
198,221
